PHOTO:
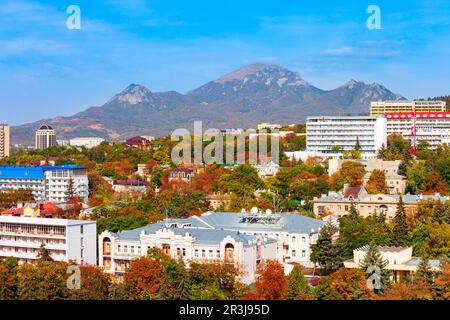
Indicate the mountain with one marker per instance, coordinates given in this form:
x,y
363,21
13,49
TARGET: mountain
x,y
243,98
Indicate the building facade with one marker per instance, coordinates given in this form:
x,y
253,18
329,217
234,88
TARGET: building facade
x,y
328,134
369,204
4,140
244,239
87,142
21,237
379,108
432,127
45,137
399,261
46,183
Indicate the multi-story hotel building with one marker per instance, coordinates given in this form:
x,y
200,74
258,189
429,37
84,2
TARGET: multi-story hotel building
x,y
433,127
379,108
46,183
325,134
243,239
21,237
45,137
4,140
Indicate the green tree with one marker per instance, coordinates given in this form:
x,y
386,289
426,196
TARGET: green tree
x,y
156,179
416,176
373,259
400,236
70,190
325,251
424,271
44,254
297,285
358,144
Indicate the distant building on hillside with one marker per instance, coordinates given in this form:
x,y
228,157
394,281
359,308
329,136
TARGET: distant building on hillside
x,y
138,143
87,142
4,140
45,137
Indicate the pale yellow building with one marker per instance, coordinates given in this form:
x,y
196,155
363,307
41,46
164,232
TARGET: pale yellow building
x,y
379,108
4,140
399,261
368,204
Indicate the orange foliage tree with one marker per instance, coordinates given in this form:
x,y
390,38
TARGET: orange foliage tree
x,y
145,277
271,283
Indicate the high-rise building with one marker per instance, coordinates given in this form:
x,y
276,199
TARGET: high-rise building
x,y
4,140
45,137
331,135
379,108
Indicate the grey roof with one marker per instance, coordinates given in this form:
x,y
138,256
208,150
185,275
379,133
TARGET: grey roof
x,y
288,222
197,229
414,262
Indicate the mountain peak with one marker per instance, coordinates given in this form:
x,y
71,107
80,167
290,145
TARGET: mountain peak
x,y
133,94
243,72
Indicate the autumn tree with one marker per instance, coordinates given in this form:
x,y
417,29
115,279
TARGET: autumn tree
x,y
442,282
7,284
44,280
435,183
409,291
377,182
44,253
144,277
94,284
271,282
353,172
343,284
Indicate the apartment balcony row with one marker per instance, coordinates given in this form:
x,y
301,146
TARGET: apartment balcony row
x,y
33,234
29,255
32,244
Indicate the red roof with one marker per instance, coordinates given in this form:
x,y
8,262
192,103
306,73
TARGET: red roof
x,y
419,115
136,141
131,182
352,192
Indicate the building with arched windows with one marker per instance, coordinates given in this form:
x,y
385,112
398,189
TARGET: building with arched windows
x,y
243,239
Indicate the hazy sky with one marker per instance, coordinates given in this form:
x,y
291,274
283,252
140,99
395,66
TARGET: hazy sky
x,y
48,70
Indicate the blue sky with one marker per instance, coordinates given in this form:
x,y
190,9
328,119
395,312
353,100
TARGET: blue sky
x,y
47,70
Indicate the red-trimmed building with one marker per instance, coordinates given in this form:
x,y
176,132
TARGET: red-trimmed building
x,y
433,126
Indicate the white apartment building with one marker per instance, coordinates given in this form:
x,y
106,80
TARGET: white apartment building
x,y
379,108
433,127
57,180
46,183
87,142
21,237
4,140
242,239
325,132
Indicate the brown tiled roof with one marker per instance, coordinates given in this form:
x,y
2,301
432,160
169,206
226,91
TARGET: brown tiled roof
x,y
353,192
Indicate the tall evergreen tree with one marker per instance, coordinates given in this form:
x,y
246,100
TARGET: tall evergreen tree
x,y
406,161
400,230
44,254
325,252
70,190
373,259
424,271
353,213
358,144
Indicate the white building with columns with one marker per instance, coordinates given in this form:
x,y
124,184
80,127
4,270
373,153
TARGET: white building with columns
x,y
242,239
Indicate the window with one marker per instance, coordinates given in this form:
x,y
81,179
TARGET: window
x,y
293,239
196,253
139,250
203,253
82,242
118,248
210,254
184,252
303,253
218,254
132,249
82,253
293,253
125,249
303,239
